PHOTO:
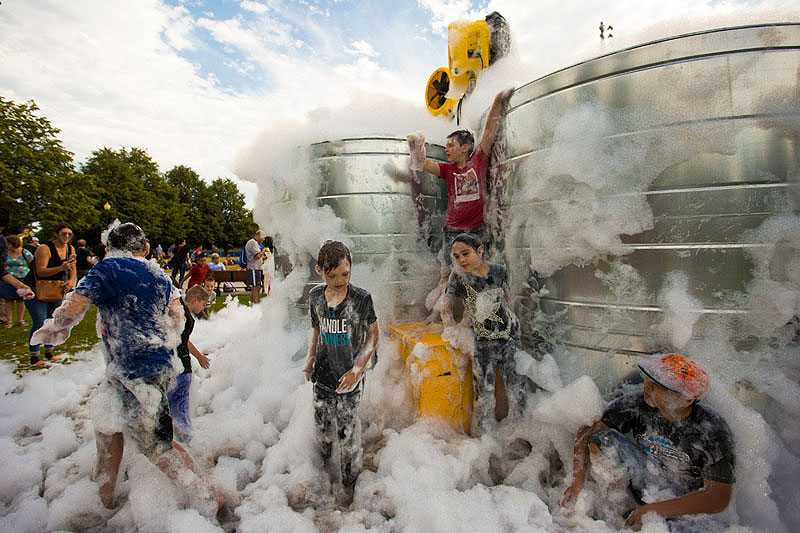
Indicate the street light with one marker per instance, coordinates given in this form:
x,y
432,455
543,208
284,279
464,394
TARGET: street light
x,y
106,216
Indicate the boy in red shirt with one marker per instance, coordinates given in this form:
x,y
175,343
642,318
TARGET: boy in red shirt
x,y
465,176
198,271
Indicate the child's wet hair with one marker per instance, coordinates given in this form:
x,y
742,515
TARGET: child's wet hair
x,y
463,137
331,255
196,292
128,237
473,241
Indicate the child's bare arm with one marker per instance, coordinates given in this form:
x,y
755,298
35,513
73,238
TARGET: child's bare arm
x,y
202,358
712,498
312,353
493,120
351,378
431,167
580,462
416,148
447,312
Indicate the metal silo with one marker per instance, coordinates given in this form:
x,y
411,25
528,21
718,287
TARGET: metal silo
x,y
656,163
392,216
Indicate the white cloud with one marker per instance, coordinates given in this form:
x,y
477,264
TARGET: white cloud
x,y
255,7
362,48
443,12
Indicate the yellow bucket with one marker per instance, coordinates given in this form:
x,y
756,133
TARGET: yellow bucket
x,y
441,373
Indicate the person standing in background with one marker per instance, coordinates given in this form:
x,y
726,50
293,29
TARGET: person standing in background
x,y
83,259
54,260
178,263
18,265
30,243
255,262
10,286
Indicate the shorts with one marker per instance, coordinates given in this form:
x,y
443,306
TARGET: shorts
x,y
145,411
255,277
8,291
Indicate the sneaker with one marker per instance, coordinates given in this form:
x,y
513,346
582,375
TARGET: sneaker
x,y
23,324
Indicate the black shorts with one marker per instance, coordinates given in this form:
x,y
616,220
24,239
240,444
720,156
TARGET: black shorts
x,y
255,277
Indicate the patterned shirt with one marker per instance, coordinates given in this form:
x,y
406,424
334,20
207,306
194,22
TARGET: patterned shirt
x,y
18,267
485,302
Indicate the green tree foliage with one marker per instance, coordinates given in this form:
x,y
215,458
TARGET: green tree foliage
x,y
216,212
236,221
38,181
40,187
130,184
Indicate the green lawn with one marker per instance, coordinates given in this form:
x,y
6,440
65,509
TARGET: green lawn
x,y
14,341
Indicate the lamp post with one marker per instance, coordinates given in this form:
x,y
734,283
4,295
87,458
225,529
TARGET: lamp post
x,y
107,209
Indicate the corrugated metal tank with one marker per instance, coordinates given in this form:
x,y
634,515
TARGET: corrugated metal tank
x,y
702,131
391,215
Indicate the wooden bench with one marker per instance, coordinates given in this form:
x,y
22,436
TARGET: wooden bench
x,y
237,277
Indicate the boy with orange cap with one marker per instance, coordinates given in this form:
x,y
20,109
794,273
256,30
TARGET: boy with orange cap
x,y
665,440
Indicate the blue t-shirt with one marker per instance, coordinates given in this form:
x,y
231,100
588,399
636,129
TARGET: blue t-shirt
x,y
132,297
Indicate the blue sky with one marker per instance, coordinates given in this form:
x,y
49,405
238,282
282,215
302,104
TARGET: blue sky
x,y
196,82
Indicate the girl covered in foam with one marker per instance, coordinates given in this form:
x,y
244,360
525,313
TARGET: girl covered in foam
x,y
483,287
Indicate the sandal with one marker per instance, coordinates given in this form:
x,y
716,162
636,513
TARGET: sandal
x,y
23,324
36,361
8,325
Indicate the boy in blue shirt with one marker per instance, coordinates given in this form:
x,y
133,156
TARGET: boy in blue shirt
x,y
140,315
344,337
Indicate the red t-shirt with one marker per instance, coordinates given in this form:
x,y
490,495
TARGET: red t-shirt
x,y
466,191
197,274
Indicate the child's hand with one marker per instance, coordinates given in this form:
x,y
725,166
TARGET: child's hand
x,y
635,518
350,379
203,359
416,149
308,369
571,494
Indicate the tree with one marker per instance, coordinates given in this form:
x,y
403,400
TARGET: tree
x,y
38,182
40,187
193,194
216,212
129,182
237,223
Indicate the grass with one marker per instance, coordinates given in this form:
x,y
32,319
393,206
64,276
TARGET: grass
x,y
14,341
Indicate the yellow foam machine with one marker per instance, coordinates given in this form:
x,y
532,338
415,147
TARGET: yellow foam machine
x,y
472,46
443,384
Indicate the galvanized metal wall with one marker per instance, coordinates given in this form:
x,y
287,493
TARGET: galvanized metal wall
x,y
708,127
390,215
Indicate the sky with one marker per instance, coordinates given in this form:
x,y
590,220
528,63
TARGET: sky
x,y
196,82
